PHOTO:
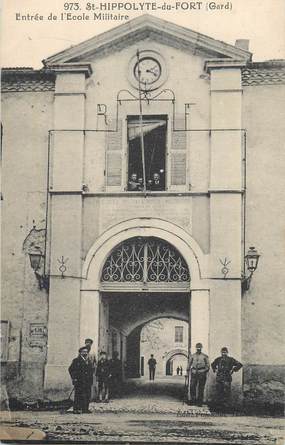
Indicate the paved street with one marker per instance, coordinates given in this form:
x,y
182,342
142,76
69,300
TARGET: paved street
x,y
151,414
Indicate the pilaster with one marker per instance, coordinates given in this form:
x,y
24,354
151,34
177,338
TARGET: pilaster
x,y
65,215
225,213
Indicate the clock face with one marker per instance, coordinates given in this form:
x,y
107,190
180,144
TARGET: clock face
x,y
147,70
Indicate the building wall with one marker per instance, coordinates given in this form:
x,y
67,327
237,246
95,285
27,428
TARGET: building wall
x,y
26,119
102,88
263,304
158,338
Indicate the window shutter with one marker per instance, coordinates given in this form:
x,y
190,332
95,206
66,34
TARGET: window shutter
x,y
178,157
114,155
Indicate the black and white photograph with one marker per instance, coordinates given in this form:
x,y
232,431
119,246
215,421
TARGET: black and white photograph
x,y
142,203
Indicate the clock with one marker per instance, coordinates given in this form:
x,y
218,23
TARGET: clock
x,y
147,70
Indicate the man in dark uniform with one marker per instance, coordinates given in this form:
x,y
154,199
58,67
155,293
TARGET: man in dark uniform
x,y
198,369
103,375
116,375
81,373
224,366
151,364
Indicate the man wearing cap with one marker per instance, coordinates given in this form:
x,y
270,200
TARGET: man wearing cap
x,y
198,368
224,366
151,365
81,373
103,374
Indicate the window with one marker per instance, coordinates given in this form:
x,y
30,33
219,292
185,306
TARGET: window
x,y
154,138
178,334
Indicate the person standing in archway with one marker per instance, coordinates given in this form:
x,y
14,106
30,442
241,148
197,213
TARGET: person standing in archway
x,y
152,365
103,374
198,368
116,377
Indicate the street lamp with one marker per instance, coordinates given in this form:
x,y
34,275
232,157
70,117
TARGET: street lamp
x,y
251,261
36,259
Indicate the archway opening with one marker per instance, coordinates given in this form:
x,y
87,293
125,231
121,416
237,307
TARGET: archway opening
x,y
167,340
145,288
176,365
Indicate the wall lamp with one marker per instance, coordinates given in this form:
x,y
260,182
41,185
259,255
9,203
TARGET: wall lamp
x,y
37,263
251,261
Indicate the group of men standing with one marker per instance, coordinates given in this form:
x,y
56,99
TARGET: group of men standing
x,y
104,376
223,366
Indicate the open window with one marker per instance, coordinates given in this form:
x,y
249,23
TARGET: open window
x,y
153,130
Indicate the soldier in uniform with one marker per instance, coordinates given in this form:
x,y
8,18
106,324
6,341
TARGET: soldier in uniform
x,y
103,374
151,365
224,366
116,378
81,373
198,369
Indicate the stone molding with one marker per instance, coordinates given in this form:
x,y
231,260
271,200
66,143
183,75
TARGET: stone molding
x,y
72,68
223,63
175,235
143,27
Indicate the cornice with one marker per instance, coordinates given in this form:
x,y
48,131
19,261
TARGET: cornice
x,y
143,27
84,68
223,63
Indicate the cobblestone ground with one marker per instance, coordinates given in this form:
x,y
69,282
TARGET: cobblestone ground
x,y
150,415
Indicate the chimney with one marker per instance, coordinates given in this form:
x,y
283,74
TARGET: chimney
x,y
242,44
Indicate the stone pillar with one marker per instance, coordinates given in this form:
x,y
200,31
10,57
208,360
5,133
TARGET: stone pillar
x,y
226,211
199,317
104,331
89,318
65,226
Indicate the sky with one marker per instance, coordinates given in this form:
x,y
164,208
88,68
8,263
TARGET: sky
x,y
27,43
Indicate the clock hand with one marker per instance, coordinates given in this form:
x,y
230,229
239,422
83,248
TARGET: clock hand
x,y
153,72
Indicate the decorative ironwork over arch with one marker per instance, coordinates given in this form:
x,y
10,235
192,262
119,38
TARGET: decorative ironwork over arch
x,y
145,260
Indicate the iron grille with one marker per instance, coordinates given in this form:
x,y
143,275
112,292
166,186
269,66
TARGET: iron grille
x,y
145,260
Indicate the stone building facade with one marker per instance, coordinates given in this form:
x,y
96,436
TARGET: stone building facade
x,y
167,340
111,259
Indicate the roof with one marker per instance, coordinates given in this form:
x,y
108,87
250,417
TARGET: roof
x,y
26,79
270,72
148,26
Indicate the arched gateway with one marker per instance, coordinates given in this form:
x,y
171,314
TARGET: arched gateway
x,y
140,270
136,271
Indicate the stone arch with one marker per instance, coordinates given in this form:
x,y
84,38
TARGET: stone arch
x,y
149,318
168,359
176,351
143,227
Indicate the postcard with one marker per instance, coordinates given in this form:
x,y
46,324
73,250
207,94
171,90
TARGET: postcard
x,y
142,221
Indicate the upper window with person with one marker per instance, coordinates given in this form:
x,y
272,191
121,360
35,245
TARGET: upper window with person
x,y
150,133
147,153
